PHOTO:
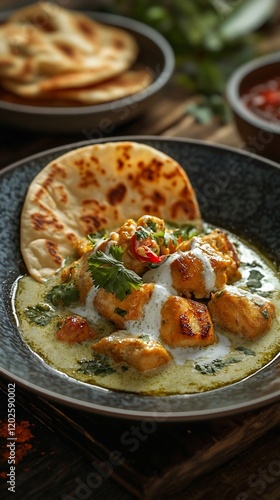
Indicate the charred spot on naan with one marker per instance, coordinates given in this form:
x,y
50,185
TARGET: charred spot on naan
x,y
52,250
85,27
92,223
117,194
41,222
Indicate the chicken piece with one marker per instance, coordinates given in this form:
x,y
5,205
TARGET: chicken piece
x,y
122,237
243,313
160,245
186,323
151,222
218,239
141,248
135,351
78,272
126,232
75,329
118,311
199,270
83,246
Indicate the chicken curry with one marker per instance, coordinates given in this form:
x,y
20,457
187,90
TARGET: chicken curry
x,y
156,308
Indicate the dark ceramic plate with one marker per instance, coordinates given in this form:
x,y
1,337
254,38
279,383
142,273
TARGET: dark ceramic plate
x,y
155,54
237,191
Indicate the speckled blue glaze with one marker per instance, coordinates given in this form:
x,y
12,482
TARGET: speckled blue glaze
x,y
237,191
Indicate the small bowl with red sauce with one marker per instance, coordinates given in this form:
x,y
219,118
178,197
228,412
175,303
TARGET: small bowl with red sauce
x,y
253,93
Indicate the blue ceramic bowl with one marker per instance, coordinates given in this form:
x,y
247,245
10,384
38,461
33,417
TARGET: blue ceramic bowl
x,y
237,191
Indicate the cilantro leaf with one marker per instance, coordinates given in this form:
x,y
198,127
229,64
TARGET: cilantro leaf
x,y
246,350
255,279
41,314
110,274
152,225
116,252
120,312
142,233
98,235
63,294
215,366
100,365
186,232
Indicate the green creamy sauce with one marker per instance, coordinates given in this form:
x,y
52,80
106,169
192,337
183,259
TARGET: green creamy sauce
x,y
232,359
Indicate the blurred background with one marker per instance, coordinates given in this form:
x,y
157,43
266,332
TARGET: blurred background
x,y
210,39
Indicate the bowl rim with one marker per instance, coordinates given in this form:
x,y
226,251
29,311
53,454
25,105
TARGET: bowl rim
x,y
233,96
121,22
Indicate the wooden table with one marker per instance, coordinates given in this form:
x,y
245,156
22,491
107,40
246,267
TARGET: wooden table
x,y
66,454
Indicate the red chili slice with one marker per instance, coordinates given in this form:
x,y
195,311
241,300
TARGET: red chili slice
x,y
148,255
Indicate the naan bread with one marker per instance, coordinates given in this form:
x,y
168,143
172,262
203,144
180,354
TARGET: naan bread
x,y
118,87
99,186
44,47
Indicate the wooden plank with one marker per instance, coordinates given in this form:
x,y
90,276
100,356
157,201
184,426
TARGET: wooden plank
x,y
155,459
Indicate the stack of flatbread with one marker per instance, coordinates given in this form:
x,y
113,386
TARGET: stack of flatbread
x,y
50,53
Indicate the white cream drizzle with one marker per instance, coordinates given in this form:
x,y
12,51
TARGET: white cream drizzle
x,y
234,290
208,271
111,240
162,274
87,310
149,323
208,353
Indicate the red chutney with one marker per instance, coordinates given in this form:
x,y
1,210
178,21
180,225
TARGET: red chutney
x,y
264,100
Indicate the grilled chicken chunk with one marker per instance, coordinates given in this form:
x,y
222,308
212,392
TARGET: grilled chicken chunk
x,y
245,314
199,270
75,329
218,239
122,237
135,351
118,311
186,323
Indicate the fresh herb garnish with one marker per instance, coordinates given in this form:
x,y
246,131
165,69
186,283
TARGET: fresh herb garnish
x,y
41,314
63,294
255,279
253,263
215,366
246,351
186,232
142,233
152,225
109,273
265,313
116,252
146,338
98,235
100,365
181,233
120,312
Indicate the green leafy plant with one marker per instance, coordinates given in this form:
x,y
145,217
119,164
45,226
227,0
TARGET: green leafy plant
x,y
210,38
